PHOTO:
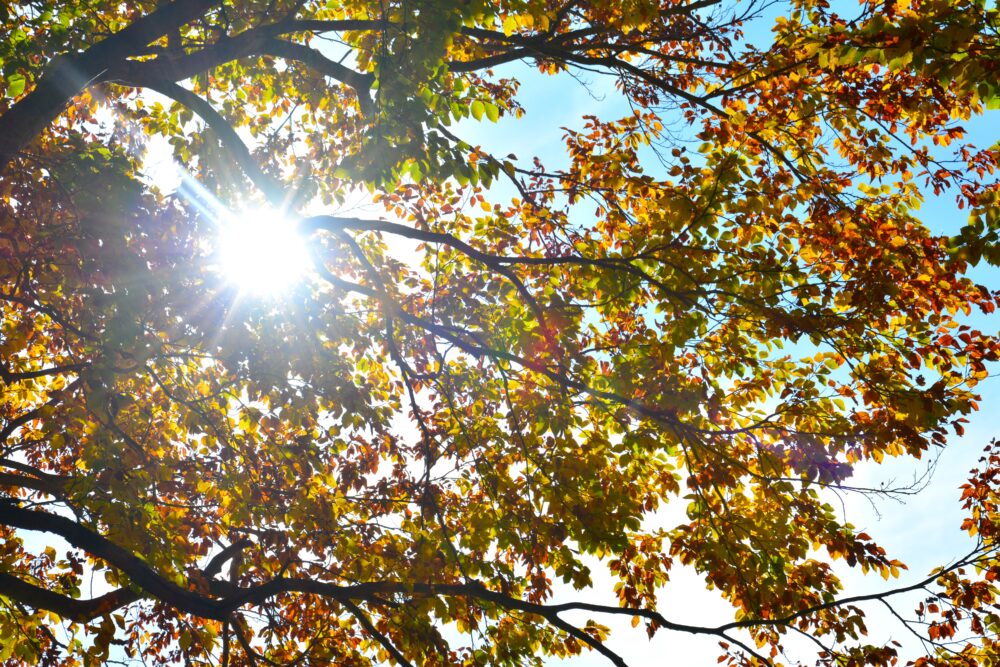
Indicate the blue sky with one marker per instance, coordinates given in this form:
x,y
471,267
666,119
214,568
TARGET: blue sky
x,y
924,531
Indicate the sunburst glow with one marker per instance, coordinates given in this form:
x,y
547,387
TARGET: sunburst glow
x,y
261,252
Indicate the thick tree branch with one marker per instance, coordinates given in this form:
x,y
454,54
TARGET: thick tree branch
x,y
8,376
486,62
68,76
50,486
141,574
69,608
231,141
592,642
256,41
178,67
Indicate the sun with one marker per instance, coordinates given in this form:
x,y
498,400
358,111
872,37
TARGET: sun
x,y
261,252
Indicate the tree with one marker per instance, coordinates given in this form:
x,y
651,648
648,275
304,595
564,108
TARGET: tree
x,y
395,461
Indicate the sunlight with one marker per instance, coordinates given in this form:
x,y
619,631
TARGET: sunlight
x,y
261,252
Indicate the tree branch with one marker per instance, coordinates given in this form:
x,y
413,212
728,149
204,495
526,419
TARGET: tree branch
x,y
9,377
370,628
69,608
33,413
228,137
97,545
52,487
191,602
68,76
360,82
215,565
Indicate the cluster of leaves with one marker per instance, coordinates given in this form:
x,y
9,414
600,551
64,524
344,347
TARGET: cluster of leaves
x,y
397,461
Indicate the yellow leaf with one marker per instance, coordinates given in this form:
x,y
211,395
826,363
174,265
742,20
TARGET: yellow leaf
x,y
510,25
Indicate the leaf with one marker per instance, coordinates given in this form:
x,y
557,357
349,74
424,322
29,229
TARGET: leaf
x,y
510,25
477,108
15,84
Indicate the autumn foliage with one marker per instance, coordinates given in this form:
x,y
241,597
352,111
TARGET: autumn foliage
x,y
510,375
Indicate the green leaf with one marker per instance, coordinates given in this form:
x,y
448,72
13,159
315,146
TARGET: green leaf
x,y
15,84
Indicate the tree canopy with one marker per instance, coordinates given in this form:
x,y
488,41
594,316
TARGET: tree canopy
x,y
516,369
